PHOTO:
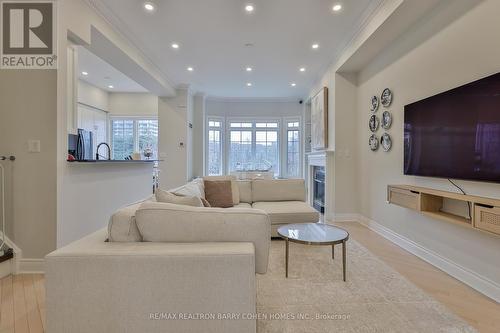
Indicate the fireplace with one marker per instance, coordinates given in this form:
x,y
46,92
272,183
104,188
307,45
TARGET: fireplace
x,y
317,180
318,188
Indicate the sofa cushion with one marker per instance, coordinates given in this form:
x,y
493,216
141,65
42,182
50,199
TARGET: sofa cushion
x,y
234,187
122,226
219,193
245,189
161,222
288,212
278,190
242,205
169,197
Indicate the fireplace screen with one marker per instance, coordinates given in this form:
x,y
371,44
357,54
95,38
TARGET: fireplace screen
x,y
319,188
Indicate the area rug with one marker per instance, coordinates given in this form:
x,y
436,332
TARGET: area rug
x,y
314,298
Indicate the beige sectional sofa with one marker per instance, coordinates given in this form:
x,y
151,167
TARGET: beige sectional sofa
x,y
159,265
284,200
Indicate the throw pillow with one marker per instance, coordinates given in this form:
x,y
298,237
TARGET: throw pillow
x,y
168,197
234,186
218,193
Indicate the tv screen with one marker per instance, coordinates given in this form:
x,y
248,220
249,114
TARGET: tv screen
x,y
455,134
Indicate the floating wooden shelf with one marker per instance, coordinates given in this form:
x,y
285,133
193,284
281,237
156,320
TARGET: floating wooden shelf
x,y
485,212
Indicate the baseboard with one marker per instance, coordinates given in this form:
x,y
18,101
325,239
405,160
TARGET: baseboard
x,y
32,266
345,218
470,278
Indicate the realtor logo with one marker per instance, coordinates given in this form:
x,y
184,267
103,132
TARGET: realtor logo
x,y
28,35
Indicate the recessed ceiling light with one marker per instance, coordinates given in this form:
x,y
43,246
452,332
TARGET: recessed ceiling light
x,y
175,45
315,46
249,69
190,69
149,6
249,8
337,7
302,69
85,73
249,84
110,87
293,84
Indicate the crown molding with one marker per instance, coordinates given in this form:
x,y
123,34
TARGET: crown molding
x,y
253,99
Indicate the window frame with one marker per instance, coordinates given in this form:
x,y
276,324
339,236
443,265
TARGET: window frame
x,y
282,139
300,128
135,119
253,129
222,129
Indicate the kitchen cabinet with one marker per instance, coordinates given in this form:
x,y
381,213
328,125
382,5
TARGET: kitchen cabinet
x,y
96,121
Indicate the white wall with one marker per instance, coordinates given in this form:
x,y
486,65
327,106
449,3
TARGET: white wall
x,y
92,96
173,139
415,68
252,108
198,136
133,104
28,112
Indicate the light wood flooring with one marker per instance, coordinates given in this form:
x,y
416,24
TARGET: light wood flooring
x,y
23,304
479,311
23,296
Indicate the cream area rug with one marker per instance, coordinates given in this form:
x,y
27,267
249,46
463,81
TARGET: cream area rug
x,y
314,298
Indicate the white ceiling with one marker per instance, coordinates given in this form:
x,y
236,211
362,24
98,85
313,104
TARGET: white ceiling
x,y
212,35
102,75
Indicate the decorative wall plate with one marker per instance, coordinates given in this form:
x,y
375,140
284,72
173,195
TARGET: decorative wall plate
x,y
386,142
386,120
374,123
373,142
374,104
386,97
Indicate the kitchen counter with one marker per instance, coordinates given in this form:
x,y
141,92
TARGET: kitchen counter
x,y
111,161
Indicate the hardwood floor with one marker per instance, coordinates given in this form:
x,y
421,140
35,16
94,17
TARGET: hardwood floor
x,y
23,304
478,310
23,296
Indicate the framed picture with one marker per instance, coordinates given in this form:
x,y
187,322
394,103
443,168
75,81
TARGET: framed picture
x,y
319,120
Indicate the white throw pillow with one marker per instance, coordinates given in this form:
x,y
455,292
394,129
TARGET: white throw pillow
x,y
194,188
168,197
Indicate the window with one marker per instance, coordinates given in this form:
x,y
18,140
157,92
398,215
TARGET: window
x,y
133,134
293,149
254,146
240,144
214,164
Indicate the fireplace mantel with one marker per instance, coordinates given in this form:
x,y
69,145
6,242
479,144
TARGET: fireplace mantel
x,y
317,159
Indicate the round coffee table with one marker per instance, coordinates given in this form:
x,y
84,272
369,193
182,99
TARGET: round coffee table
x,y
315,234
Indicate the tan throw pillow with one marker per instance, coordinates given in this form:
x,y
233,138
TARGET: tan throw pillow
x,y
168,197
234,186
218,193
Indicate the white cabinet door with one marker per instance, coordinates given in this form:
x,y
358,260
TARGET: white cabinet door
x,y
95,121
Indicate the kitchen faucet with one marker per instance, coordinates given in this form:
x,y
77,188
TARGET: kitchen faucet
x,y
97,151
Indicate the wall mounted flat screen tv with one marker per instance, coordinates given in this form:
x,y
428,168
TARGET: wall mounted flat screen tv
x,y
455,134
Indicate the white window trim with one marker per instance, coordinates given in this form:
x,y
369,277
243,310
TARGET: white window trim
x,y
282,139
287,120
136,130
252,120
222,139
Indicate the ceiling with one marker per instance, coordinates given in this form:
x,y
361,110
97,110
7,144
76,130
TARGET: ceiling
x,y
212,37
102,75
